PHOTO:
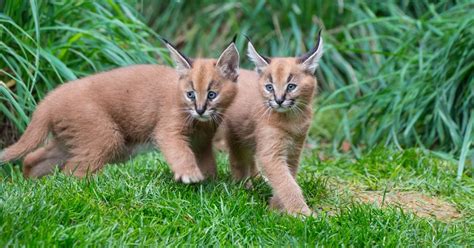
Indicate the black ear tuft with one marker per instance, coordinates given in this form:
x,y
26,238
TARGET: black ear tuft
x,y
246,37
164,40
306,56
265,58
310,60
173,49
235,38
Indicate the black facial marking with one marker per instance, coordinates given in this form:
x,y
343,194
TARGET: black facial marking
x,y
290,77
210,85
275,97
292,102
191,83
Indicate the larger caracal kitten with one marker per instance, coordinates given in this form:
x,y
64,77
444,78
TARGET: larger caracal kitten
x,y
268,121
102,118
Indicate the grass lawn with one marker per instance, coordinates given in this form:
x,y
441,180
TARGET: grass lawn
x,y
138,203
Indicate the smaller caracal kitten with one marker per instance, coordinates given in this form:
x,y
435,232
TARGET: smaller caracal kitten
x,y
86,123
268,122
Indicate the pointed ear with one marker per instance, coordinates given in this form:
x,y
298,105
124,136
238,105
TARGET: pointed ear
x,y
260,61
182,63
228,62
310,60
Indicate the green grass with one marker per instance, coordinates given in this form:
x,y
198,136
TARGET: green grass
x,y
137,203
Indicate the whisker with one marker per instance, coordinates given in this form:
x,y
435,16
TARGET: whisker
x,y
219,117
268,112
262,111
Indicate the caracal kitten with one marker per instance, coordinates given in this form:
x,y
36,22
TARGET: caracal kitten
x,y
103,117
268,122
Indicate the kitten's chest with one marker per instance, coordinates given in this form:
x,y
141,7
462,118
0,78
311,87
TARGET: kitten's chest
x,y
295,129
201,135
292,125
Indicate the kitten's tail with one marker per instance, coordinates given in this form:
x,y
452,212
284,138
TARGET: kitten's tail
x,y
35,134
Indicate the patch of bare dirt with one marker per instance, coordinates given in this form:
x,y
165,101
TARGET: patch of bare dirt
x,y
420,204
416,202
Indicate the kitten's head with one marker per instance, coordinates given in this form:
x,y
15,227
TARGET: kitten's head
x,y
287,83
208,86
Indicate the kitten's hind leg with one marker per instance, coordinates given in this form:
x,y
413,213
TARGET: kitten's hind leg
x,y
207,162
90,150
242,163
44,160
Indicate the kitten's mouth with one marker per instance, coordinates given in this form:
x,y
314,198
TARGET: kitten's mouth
x,y
282,108
205,117
202,118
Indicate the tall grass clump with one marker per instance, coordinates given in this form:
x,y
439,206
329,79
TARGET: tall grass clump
x,y
417,88
395,74
45,43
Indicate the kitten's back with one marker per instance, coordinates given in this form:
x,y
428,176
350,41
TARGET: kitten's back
x,y
126,94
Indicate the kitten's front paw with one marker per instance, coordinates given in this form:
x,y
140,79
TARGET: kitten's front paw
x,y
296,211
189,175
306,211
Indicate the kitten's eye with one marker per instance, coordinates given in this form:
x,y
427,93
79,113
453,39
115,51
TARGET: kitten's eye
x,y
269,87
190,95
211,95
291,87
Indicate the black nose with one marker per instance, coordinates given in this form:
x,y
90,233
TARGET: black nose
x,y
279,101
201,111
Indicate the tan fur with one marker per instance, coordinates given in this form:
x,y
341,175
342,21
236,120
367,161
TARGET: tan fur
x,y
101,118
257,134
